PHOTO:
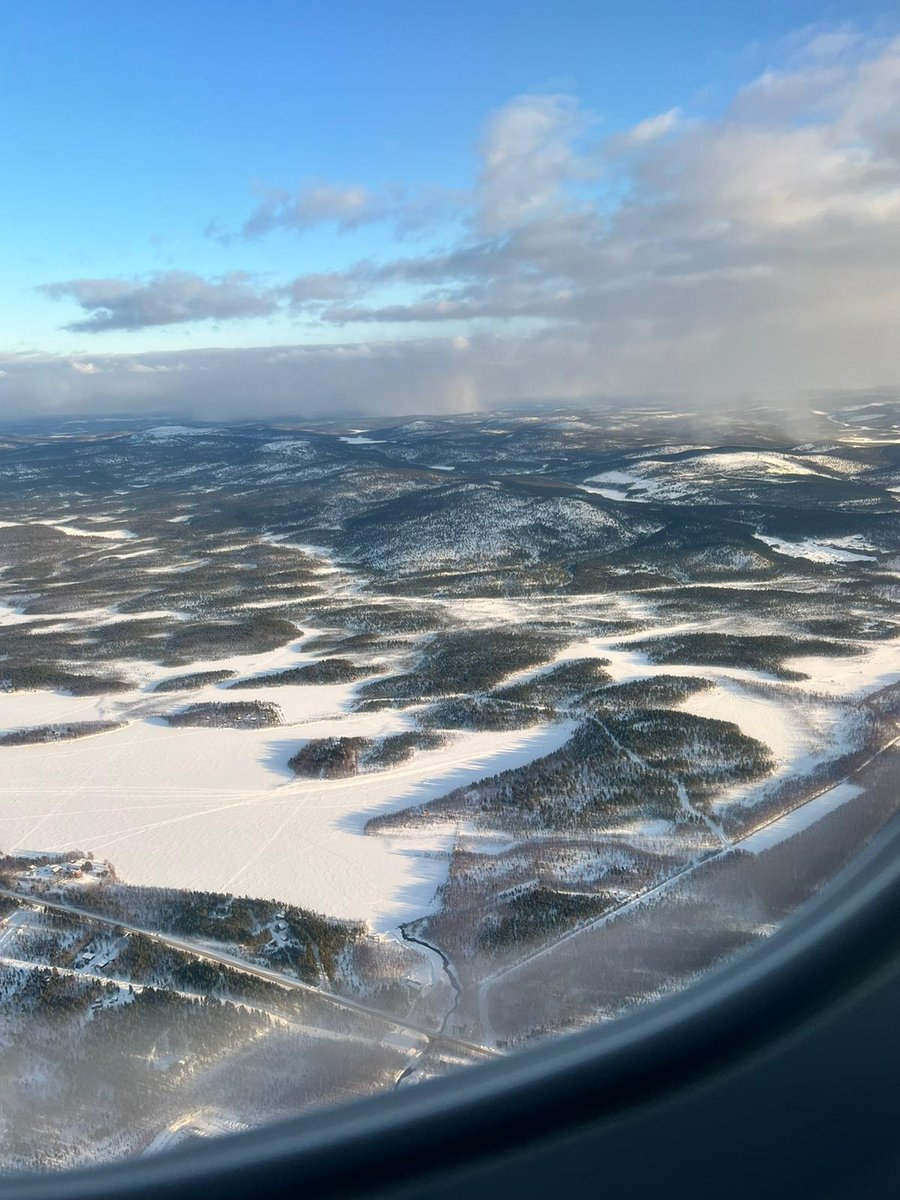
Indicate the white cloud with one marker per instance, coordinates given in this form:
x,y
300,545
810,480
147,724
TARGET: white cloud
x,y
528,152
316,203
168,298
759,249
652,128
346,206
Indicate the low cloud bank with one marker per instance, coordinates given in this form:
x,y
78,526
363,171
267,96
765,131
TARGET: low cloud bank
x,y
433,376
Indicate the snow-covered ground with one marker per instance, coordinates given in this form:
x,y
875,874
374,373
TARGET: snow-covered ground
x,y
799,720
114,535
199,1124
852,675
800,731
170,433
801,818
219,808
676,478
614,485
836,551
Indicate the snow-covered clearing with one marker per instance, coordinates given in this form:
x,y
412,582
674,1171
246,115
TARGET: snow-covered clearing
x,y
93,617
167,433
21,710
614,485
608,493
177,568
674,479
801,818
853,675
801,732
195,1124
219,808
15,616
115,535
756,462
130,554
817,551
784,723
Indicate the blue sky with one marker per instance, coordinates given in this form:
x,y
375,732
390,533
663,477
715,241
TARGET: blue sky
x,y
138,140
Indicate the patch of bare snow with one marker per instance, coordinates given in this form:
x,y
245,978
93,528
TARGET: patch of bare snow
x,y
851,675
168,433
835,551
117,535
131,554
618,485
181,568
801,818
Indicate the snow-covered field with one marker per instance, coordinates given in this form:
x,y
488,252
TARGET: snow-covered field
x,y
801,818
674,479
113,535
835,551
800,731
219,809
853,675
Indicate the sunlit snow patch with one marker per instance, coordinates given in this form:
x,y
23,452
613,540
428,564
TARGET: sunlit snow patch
x,y
116,535
166,433
674,479
816,551
801,818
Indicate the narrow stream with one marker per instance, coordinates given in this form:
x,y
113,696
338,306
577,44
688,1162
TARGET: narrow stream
x,y
454,984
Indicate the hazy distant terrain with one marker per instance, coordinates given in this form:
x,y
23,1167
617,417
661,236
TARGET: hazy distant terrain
x,y
394,734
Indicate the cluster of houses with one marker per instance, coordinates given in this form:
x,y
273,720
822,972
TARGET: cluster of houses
x,y
86,868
